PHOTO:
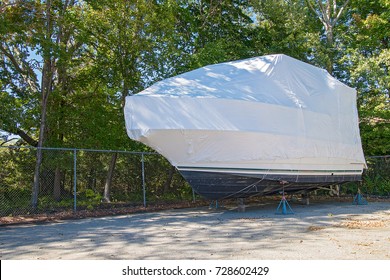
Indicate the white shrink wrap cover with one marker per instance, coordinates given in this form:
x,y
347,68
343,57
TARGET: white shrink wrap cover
x,y
269,112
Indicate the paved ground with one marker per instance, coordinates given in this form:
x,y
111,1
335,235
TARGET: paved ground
x,y
322,230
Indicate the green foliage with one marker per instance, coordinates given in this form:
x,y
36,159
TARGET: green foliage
x,y
368,59
14,200
278,28
103,51
376,184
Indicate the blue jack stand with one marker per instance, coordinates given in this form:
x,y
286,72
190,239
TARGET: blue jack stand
x,y
212,203
286,208
359,199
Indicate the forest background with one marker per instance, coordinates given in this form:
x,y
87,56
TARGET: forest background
x,y
66,66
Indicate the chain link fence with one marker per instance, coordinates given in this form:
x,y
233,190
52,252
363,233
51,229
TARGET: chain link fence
x,y
76,179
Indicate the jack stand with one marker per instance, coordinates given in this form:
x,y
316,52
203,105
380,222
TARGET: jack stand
x,y
241,205
305,198
359,199
212,203
284,204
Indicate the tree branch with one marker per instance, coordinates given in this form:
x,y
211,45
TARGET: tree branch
x,y
25,73
13,60
341,11
29,140
6,141
325,18
311,7
26,137
318,14
329,11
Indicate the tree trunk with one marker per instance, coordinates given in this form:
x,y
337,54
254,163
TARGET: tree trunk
x,y
107,185
35,191
46,87
168,182
91,182
57,184
330,49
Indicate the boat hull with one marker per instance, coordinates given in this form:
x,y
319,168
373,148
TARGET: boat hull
x,y
216,185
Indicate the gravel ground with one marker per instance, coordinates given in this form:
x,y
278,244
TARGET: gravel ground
x,y
321,230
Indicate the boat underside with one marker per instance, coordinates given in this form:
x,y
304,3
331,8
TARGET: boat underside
x,y
217,185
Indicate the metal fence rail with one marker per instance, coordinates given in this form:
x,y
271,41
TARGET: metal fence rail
x,y
76,179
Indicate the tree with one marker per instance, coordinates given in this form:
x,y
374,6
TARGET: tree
x,y
213,32
37,45
329,13
368,61
19,83
127,40
283,27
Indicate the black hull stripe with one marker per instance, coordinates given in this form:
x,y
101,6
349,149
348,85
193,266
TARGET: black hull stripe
x,y
219,185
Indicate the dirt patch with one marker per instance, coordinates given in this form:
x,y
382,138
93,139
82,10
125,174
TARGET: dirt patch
x,y
365,244
315,228
358,224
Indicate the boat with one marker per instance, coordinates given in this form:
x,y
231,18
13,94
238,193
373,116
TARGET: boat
x,y
252,127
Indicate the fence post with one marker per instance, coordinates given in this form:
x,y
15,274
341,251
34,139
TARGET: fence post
x,y
193,195
143,178
74,180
